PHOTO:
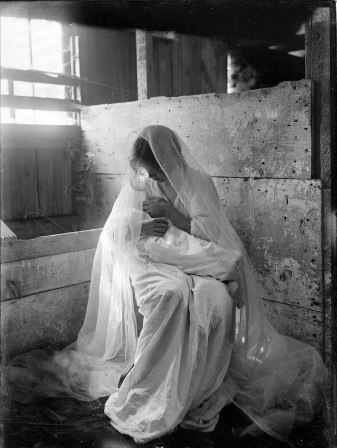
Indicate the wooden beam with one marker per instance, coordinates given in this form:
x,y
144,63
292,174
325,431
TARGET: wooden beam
x,y
38,76
37,103
317,67
49,245
25,277
144,64
321,69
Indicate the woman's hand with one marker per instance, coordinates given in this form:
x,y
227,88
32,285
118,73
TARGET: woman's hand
x,y
154,227
156,207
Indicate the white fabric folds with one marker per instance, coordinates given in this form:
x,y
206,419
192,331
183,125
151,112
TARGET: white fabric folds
x,y
205,340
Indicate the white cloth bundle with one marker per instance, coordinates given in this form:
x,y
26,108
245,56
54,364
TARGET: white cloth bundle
x,y
193,255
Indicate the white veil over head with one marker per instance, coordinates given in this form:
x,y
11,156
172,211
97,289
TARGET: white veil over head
x,y
275,380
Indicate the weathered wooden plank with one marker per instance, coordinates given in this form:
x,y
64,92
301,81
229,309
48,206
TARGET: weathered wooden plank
x,y
279,222
299,323
18,183
54,181
318,61
176,67
26,277
49,245
112,73
35,136
38,76
260,133
37,103
213,65
329,325
51,318
162,67
191,68
144,64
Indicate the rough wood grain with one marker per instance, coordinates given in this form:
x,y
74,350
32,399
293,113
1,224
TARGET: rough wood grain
x,y
162,67
54,181
190,69
318,61
213,65
50,318
110,75
19,183
31,276
260,133
279,222
329,325
144,64
49,245
37,170
299,323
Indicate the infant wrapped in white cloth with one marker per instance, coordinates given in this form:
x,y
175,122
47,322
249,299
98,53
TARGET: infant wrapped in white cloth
x,y
195,256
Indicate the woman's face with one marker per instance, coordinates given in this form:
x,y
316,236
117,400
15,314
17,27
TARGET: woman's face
x,y
154,173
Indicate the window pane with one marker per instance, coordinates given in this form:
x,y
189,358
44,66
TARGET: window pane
x,y
53,117
15,43
4,87
5,115
47,45
24,116
23,88
49,90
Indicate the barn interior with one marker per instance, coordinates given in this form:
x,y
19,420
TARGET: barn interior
x,y
250,85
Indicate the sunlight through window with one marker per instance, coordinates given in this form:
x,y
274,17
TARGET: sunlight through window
x,y
38,45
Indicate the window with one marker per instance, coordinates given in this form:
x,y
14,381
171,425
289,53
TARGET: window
x,y
35,50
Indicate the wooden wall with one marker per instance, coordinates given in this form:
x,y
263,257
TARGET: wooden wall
x,y
37,177
44,290
257,147
321,66
171,64
187,65
178,64
108,65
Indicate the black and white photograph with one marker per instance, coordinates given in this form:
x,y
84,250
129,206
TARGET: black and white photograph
x,y
168,224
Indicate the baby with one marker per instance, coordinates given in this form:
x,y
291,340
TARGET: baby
x,y
193,255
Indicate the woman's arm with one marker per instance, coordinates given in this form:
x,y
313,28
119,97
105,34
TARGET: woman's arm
x,y
177,219
158,207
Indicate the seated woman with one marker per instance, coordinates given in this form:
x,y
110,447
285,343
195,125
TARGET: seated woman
x,y
205,341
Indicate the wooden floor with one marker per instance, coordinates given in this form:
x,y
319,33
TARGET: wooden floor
x,y
67,423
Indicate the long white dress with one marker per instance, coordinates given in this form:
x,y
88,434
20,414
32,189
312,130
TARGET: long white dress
x,y
183,350
192,356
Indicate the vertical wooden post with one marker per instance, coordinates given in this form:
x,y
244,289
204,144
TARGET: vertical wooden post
x,y
317,67
333,215
321,69
144,64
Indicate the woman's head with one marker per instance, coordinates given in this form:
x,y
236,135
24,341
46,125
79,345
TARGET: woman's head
x,y
142,156
156,149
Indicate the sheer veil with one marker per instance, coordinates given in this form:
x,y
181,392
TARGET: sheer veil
x,y
276,380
